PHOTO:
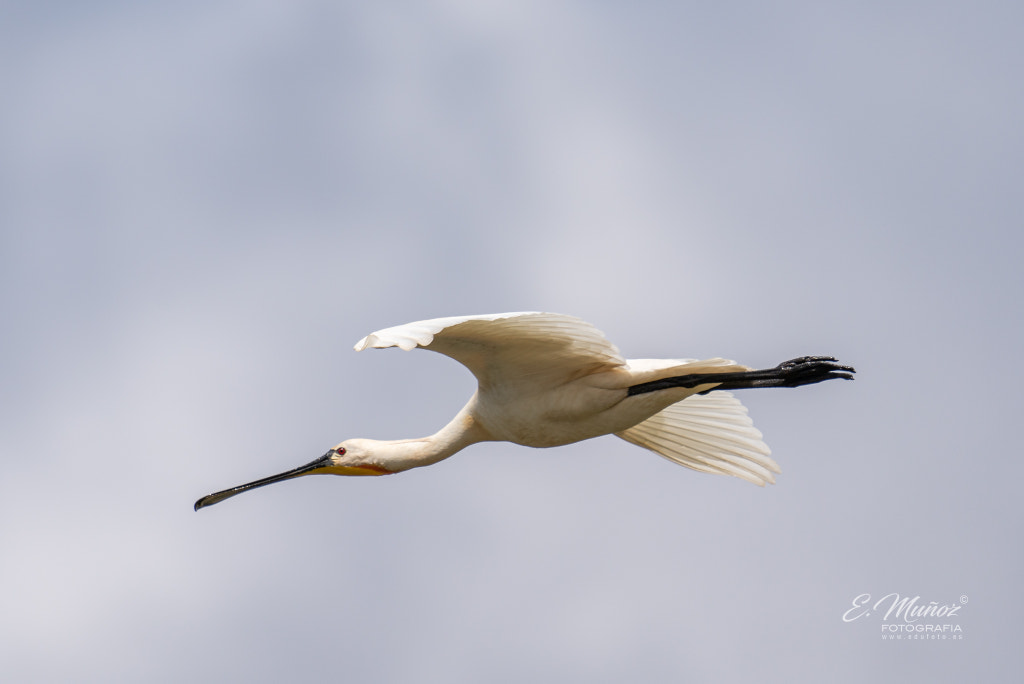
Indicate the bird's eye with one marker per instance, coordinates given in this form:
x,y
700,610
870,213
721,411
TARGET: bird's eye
x,y
340,451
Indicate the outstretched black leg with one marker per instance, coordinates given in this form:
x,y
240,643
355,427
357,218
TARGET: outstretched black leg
x,y
805,370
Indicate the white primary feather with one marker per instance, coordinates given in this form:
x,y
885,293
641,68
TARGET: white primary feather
x,y
711,433
530,346
421,333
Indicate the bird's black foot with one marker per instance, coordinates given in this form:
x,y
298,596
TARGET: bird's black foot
x,y
805,370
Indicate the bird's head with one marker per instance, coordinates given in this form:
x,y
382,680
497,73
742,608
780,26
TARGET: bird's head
x,y
351,457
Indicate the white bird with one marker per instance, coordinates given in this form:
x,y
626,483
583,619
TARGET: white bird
x,y
548,379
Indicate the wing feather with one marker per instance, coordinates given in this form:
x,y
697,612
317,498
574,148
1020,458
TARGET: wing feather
x,y
711,433
508,347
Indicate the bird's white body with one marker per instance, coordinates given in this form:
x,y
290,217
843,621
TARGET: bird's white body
x,y
546,379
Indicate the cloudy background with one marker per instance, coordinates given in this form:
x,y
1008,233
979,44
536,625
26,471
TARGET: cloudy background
x,y
203,205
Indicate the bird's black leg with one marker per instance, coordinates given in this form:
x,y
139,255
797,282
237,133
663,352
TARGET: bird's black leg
x,y
805,370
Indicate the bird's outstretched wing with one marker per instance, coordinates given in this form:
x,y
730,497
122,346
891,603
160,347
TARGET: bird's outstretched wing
x,y
509,347
711,433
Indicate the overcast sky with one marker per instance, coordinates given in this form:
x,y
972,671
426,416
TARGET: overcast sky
x,y
203,205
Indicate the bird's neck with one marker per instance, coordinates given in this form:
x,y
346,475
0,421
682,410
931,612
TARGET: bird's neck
x,y
462,431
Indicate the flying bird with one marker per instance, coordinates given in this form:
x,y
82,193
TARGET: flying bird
x,y
545,380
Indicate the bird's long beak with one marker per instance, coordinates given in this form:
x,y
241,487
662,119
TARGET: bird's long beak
x,y
311,467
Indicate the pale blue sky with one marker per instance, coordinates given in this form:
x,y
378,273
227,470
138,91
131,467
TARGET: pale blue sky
x,y
204,205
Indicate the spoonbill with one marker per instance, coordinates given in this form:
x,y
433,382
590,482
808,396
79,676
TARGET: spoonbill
x,y
545,380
